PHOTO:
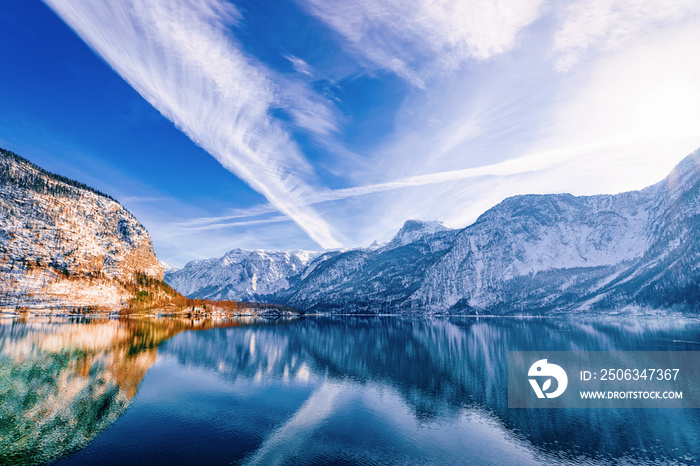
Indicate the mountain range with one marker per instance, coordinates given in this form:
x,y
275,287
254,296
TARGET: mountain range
x,y
64,244
530,254
239,275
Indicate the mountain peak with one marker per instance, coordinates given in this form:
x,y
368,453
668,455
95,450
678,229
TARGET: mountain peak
x,y
240,274
414,224
688,167
414,230
167,268
375,245
682,178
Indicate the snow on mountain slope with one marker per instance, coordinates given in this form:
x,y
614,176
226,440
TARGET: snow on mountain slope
x,y
370,280
533,254
413,231
63,243
239,275
167,268
529,254
526,235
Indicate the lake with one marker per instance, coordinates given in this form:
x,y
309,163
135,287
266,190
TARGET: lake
x,y
318,390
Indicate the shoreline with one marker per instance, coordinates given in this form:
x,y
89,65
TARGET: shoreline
x,y
7,313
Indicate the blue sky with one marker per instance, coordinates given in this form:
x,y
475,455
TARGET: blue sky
x,y
315,124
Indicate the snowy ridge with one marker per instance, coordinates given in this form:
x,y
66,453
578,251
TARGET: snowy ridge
x,y
529,254
240,275
167,268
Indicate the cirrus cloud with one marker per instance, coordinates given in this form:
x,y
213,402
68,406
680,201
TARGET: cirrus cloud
x,y
180,57
607,25
413,38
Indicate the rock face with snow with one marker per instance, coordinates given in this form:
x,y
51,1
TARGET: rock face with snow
x,y
64,244
239,275
371,280
414,231
530,254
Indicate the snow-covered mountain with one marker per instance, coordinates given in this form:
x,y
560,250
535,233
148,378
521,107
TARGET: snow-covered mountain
x,y
529,254
413,231
239,275
167,268
64,244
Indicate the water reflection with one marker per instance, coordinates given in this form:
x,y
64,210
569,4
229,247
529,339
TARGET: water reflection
x,y
62,381
323,390
443,368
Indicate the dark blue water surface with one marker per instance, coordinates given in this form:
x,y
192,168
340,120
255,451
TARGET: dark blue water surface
x,y
318,390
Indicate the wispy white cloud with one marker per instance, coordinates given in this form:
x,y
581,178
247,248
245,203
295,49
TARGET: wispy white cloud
x,y
202,226
307,109
414,38
617,121
522,165
525,164
647,93
591,25
179,56
233,214
299,65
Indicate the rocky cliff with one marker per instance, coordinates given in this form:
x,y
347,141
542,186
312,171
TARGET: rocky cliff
x,y
64,244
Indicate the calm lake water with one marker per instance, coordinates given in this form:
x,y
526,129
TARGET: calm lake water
x,y
317,390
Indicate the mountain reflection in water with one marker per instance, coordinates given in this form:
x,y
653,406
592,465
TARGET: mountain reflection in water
x,y
62,381
371,390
